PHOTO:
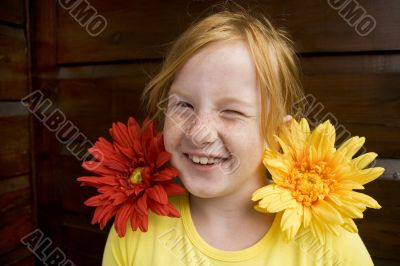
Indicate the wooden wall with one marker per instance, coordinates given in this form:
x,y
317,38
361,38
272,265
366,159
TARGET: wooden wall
x,y
95,80
17,217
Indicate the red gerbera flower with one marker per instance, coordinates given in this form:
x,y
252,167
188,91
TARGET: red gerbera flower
x,y
133,177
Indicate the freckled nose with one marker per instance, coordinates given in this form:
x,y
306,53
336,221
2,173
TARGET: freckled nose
x,y
202,130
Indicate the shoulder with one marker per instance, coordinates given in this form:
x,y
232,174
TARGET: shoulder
x,y
343,249
155,222
122,250
350,249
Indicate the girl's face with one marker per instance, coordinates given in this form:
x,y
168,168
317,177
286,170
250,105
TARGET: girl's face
x,y
212,125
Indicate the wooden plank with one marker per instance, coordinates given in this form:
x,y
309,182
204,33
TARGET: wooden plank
x,y
94,97
72,195
317,27
361,93
358,98
379,138
380,238
82,258
14,184
13,11
13,63
380,228
374,63
81,235
16,219
18,257
385,192
43,37
143,29
135,29
14,154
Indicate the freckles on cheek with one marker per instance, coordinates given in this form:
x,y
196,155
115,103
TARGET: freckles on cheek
x,y
167,135
171,136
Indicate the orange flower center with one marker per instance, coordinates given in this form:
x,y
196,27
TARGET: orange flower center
x,y
136,176
310,182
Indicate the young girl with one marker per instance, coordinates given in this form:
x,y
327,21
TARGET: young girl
x,y
225,88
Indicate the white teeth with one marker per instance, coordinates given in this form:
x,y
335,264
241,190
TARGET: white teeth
x,y
196,159
203,160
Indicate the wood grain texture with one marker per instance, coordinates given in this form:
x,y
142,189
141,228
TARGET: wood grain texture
x,y
380,228
14,154
13,63
13,11
94,97
314,26
96,80
136,30
82,238
16,216
360,93
18,257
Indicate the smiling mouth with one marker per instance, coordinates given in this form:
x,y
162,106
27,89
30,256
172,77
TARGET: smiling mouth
x,y
202,160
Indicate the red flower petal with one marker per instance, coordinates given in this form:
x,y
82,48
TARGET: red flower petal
x,y
97,181
163,157
173,189
166,210
119,133
165,174
121,218
133,133
107,213
138,220
157,193
141,205
97,200
99,168
132,147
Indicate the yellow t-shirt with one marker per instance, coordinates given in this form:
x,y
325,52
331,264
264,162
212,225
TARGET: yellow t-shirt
x,y
175,241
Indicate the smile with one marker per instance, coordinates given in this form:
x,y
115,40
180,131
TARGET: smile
x,y
203,160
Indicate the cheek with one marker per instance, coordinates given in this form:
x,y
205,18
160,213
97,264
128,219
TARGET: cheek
x,y
246,142
171,135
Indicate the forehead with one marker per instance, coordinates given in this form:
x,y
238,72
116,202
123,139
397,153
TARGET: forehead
x,y
222,69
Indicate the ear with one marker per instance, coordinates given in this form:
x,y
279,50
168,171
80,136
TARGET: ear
x,y
287,118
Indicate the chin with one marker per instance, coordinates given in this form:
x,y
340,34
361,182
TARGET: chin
x,y
203,188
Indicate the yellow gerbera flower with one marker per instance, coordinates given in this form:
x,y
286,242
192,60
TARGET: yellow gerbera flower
x,y
313,181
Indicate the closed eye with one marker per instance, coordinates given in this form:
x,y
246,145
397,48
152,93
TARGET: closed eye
x,y
233,112
184,104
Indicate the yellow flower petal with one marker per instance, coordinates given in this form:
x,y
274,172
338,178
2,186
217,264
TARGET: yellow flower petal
x,y
314,182
349,210
264,191
365,199
364,160
352,145
259,209
335,199
307,216
278,203
323,139
350,226
318,231
364,176
291,221
326,212
305,127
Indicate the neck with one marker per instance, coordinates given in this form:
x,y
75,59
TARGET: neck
x,y
230,222
231,206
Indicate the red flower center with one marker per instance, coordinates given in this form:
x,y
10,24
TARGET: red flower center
x,y
136,176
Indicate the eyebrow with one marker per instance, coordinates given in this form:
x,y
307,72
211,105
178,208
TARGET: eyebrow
x,y
230,99
224,100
